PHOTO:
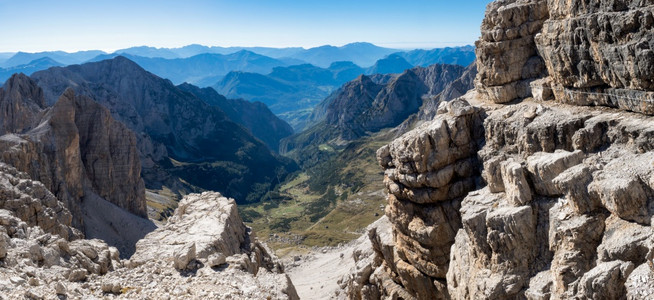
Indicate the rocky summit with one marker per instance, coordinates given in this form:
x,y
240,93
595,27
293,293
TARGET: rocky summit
x,y
526,187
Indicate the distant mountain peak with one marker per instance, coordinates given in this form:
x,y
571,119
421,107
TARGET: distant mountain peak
x,y
46,59
123,62
359,44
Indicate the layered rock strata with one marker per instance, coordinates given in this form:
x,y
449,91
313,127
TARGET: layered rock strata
x,y
581,53
38,245
507,57
600,53
563,207
562,210
566,212
425,192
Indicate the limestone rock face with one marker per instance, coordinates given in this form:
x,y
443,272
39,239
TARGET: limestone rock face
x,y
20,104
555,200
571,191
507,57
109,156
32,203
428,171
591,53
531,200
207,222
38,245
74,149
551,218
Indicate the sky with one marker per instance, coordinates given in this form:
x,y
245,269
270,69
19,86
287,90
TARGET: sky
x,y
73,25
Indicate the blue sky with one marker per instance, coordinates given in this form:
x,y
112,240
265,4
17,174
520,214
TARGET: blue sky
x,y
70,25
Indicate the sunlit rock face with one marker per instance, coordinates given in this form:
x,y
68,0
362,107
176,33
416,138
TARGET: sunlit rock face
x,y
528,190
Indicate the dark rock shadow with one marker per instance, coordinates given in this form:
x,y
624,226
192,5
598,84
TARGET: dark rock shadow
x,y
116,226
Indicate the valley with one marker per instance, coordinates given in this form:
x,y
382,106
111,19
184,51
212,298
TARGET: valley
x,y
518,168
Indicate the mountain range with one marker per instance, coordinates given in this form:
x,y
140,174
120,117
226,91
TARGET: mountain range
x,y
254,116
182,140
204,68
29,68
156,59
292,92
369,104
363,54
65,58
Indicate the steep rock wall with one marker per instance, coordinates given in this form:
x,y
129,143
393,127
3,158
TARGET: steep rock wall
x,y
563,205
74,148
582,52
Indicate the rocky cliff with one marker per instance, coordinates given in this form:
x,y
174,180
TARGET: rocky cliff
x,y
584,53
75,148
533,199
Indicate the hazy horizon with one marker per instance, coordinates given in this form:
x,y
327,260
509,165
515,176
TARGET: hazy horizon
x,y
256,46
75,25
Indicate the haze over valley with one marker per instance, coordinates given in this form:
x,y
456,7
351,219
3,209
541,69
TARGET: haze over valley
x,y
327,150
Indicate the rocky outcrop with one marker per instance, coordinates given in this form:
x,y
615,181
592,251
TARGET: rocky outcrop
x,y
560,197
595,53
33,204
204,226
553,202
38,246
556,194
507,57
600,53
427,173
74,148
217,256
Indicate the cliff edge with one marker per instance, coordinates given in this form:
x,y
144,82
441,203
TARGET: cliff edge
x,y
539,183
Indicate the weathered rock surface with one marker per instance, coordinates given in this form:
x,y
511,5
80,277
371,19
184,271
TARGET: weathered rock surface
x,y
426,187
590,53
32,203
38,245
38,264
203,225
572,194
563,196
561,212
507,57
